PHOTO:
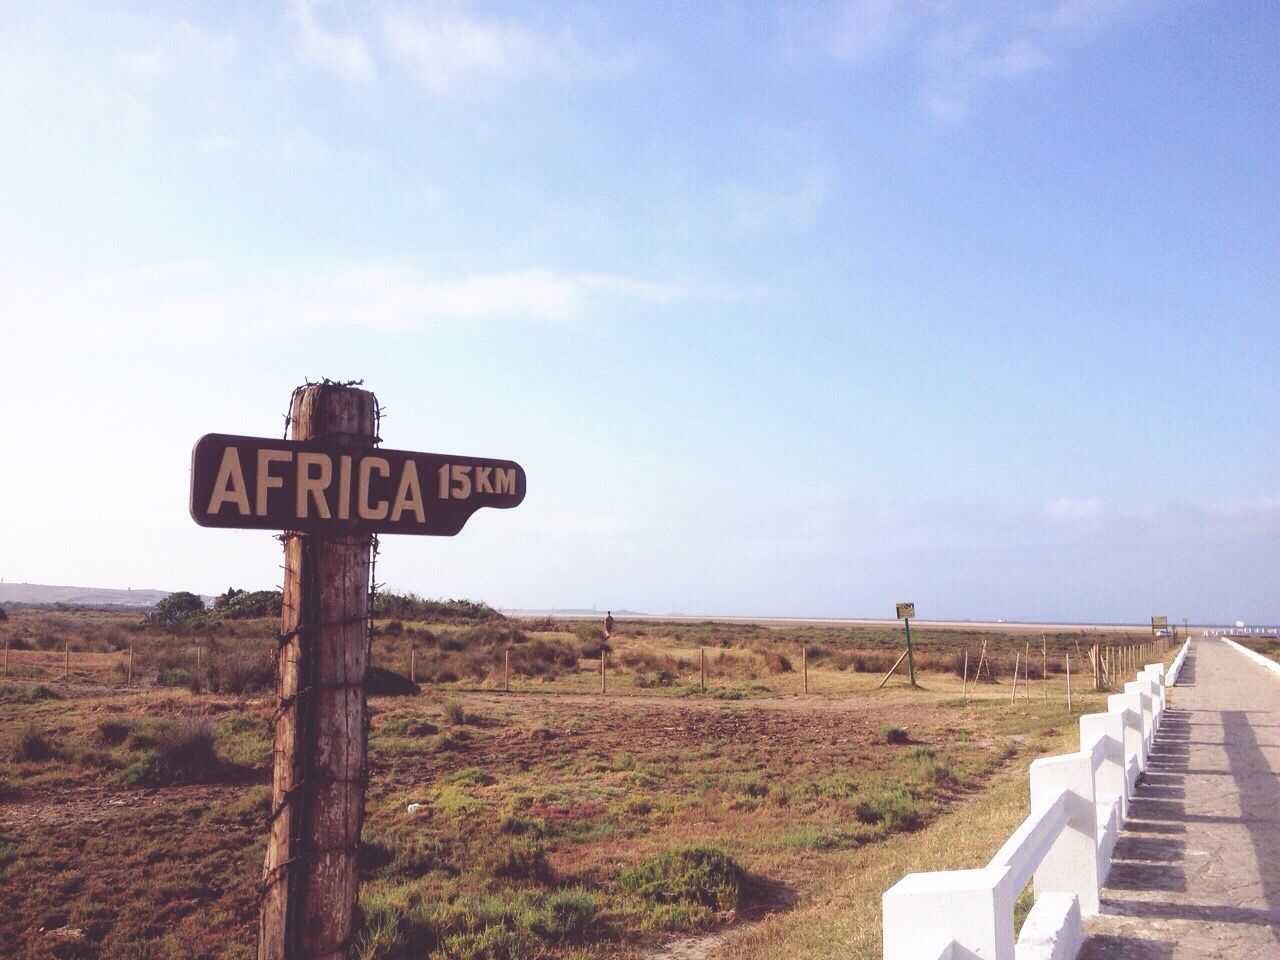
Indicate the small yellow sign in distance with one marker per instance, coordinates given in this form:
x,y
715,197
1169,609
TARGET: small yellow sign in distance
x,y
1159,621
906,611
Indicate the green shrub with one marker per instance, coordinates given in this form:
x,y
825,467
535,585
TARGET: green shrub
x,y
22,693
892,808
32,745
112,733
567,916
924,765
454,712
468,777
655,678
400,855
185,752
491,943
409,727
242,674
895,734
174,677
681,888
518,859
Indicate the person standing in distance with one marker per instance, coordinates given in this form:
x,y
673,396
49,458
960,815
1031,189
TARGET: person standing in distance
x,y
608,624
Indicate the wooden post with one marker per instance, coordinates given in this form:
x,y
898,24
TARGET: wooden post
x,y
982,658
1068,683
911,659
902,656
804,666
506,670
1095,658
66,662
965,687
310,878
1016,658
603,681
413,664
702,670
1026,669
1044,665
128,679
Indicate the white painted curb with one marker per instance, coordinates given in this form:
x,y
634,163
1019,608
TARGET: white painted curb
x,y
1254,655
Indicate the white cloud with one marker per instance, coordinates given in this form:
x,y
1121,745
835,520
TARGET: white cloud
x,y
198,299
1073,512
346,53
797,202
960,50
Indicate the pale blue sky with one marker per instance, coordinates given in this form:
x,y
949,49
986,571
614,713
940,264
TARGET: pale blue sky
x,y
785,308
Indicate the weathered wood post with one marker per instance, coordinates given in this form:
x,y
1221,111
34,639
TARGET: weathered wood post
x,y
413,664
1044,665
1068,683
310,879
506,671
602,673
1016,658
334,489
128,678
66,662
804,666
702,670
964,688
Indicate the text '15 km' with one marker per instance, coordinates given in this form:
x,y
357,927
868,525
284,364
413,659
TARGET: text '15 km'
x,y
333,487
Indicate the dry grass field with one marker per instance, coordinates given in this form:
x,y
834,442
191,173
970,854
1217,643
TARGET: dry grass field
x,y
752,820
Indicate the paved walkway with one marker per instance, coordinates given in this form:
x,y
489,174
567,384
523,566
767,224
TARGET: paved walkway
x,y
1196,872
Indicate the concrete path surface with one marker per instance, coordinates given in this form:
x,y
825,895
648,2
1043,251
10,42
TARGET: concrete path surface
x,y
1196,872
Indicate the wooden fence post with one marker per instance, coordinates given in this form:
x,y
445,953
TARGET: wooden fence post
x,y
804,666
603,681
128,679
1044,665
702,670
964,689
66,662
413,664
1016,658
310,877
1068,683
506,671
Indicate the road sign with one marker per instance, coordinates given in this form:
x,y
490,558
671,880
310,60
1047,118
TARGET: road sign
x,y
335,488
906,611
1159,622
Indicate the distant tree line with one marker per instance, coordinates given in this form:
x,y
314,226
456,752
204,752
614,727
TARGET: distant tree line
x,y
236,604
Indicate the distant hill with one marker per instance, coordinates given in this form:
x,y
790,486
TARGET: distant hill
x,y
569,612
80,596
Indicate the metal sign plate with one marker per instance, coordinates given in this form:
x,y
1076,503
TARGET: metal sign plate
x,y
906,611
323,486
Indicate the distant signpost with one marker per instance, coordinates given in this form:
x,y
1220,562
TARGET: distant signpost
x,y
1159,623
904,612
330,489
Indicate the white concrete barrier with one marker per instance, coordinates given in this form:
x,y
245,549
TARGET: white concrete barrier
x,y
1254,655
1079,802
